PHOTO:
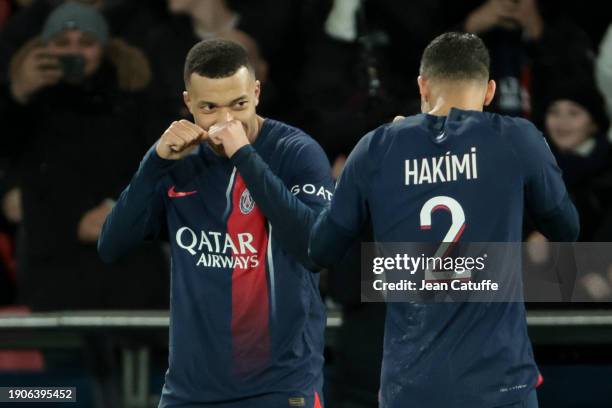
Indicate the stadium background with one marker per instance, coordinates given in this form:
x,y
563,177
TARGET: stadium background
x,y
336,69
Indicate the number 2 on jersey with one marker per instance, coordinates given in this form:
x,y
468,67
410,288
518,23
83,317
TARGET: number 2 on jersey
x,y
454,232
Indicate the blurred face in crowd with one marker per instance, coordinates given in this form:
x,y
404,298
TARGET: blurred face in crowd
x,y
214,101
72,42
181,6
569,124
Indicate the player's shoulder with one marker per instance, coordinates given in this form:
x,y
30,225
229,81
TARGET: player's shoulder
x,y
515,127
281,130
408,123
285,138
413,125
384,136
521,136
372,148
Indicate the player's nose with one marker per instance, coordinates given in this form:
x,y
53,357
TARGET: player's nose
x,y
223,116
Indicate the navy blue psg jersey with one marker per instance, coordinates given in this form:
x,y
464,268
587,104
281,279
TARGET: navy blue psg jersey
x,y
485,167
247,321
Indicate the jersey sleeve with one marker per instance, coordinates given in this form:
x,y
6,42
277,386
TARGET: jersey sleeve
x,y
138,213
337,227
293,210
546,197
310,179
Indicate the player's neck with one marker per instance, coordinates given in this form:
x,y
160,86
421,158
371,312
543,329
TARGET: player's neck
x,y
443,105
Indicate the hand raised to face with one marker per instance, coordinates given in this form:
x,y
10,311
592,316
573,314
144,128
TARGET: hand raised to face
x,y
180,139
230,134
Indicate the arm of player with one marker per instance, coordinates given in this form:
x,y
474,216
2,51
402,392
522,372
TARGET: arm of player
x,y
545,194
137,214
337,227
548,202
291,215
562,224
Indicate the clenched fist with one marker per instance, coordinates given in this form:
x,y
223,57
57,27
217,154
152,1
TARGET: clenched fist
x,y
180,139
230,134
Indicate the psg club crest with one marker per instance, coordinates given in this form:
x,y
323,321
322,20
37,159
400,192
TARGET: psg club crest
x,y
246,202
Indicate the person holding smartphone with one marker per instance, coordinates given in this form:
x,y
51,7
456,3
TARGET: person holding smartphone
x,y
74,94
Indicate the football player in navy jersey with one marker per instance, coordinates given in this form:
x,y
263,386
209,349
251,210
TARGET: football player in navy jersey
x,y
483,169
237,194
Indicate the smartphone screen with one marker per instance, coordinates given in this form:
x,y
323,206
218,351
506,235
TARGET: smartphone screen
x,y
73,66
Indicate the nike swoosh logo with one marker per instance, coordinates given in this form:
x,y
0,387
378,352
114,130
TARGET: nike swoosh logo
x,y
172,193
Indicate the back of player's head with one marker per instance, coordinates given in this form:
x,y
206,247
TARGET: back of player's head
x,y
216,58
456,57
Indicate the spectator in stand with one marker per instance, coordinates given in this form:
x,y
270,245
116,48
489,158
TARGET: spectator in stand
x,y
603,70
127,19
533,47
75,121
603,74
576,126
357,60
193,21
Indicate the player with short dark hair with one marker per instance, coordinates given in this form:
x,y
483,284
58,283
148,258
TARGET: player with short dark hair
x,y
216,59
456,57
482,168
238,195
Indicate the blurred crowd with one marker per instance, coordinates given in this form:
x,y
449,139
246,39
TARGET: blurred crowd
x,y
87,86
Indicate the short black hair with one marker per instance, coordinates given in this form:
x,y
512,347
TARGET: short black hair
x,y
215,58
457,57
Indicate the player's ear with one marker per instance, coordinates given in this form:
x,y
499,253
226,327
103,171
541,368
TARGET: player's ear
x,y
257,91
425,93
187,101
423,87
491,86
